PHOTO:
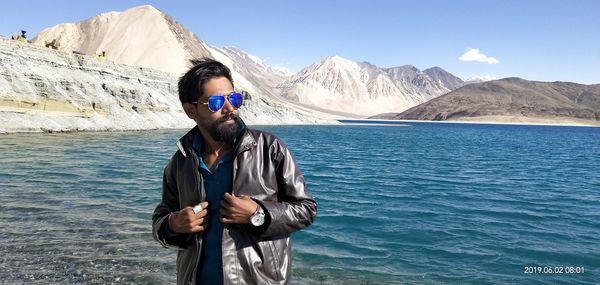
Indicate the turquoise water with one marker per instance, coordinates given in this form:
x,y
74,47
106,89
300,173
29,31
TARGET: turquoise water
x,y
421,204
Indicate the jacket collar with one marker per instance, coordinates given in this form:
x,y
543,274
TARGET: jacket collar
x,y
243,142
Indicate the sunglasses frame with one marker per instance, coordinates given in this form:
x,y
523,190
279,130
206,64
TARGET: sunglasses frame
x,y
225,97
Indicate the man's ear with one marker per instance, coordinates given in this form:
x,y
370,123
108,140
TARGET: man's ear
x,y
190,110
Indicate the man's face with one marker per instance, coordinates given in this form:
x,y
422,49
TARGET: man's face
x,y
222,125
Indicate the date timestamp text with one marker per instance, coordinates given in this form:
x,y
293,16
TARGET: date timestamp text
x,y
553,270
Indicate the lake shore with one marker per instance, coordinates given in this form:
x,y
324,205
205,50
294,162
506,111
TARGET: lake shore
x,y
497,120
9,127
515,120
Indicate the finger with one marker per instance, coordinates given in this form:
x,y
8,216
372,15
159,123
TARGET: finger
x,y
224,212
201,214
225,204
186,210
228,204
189,214
225,220
184,215
198,222
201,205
198,228
229,198
197,209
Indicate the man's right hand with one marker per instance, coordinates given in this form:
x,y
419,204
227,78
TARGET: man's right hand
x,y
185,221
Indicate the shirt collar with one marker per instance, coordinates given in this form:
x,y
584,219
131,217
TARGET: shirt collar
x,y
197,145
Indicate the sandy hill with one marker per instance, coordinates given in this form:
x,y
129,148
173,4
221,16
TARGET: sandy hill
x,y
512,99
141,36
145,37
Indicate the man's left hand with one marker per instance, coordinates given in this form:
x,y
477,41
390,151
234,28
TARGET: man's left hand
x,y
237,210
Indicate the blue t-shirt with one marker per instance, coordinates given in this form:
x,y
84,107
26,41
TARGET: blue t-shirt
x,y
217,182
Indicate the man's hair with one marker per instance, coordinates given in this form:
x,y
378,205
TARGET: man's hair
x,y
191,84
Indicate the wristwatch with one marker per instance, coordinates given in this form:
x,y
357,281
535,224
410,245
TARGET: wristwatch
x,y
258,218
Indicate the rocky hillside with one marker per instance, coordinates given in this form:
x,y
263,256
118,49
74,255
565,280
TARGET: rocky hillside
x,y
48,90
145,37
511,99
445,78
416,83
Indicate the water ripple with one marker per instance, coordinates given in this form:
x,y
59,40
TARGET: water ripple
x,y
424,204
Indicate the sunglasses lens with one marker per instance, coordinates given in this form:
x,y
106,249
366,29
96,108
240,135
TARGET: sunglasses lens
x,y
236,99
215,103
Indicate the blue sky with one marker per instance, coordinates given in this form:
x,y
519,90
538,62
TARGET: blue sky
x,y
536,40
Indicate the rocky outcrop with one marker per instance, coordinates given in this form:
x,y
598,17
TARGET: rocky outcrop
x,y
510,98
47,90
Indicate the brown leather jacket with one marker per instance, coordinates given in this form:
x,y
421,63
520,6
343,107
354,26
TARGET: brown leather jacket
x,y
264,170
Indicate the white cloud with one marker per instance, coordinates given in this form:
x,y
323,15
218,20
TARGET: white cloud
x,y
480,78
473,54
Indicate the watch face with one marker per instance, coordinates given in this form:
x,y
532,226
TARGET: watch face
x,y
258,220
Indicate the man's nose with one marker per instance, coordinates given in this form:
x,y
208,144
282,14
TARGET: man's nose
x,y
227,107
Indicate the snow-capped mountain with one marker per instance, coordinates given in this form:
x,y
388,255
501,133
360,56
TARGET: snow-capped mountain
x,y
416,83
339,84
254,69
258,64
343,85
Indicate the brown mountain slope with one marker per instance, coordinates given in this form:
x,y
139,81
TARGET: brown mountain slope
x,y
510,97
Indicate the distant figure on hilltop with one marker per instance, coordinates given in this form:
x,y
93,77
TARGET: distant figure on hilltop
x,y
100,56
22,37
231,195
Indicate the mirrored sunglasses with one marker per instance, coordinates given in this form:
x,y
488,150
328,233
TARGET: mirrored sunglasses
x,y
216,102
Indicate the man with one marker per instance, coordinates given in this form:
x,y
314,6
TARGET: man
x,y
231,196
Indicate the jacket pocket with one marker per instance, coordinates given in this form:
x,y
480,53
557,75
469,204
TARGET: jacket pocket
x,y
279,259
264,261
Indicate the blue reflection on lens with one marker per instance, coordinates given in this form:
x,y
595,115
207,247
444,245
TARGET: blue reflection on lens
x,y
236,99
215,103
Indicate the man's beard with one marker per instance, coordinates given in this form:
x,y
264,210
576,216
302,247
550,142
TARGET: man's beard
x,y
224,132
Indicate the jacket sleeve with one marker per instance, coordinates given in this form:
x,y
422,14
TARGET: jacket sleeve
x,y
169,203
296,208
